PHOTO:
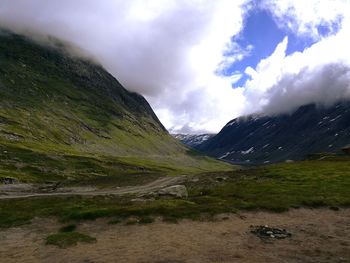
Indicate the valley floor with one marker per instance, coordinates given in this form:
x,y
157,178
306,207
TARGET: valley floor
x,y
318,235
15,191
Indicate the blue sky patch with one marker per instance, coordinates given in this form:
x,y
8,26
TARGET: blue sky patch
x,y
261,31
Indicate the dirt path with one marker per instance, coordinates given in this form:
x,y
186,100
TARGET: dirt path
x,y
318,236
88,191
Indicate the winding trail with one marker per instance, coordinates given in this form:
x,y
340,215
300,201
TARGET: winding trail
x,y
153,186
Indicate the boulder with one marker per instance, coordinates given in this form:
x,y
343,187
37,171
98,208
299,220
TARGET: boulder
x,y
179,191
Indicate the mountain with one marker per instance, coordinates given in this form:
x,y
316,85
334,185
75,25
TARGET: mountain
x,y
193,140
64,116
263,139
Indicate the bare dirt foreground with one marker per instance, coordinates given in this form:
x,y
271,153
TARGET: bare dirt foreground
x,y
319,235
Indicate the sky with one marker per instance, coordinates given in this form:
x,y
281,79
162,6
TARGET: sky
x,y
201,63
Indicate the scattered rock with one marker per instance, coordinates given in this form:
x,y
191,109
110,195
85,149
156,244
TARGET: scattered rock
x,y
20,165
16,187
8,180
269,232
139,200
179,191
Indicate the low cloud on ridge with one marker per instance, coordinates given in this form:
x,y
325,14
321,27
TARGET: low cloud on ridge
x,y
170,51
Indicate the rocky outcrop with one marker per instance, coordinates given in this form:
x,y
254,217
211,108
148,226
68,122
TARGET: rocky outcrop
x,y
178,191
269,232
8,180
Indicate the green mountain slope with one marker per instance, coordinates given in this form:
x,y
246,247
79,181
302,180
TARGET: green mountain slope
x,y
67,118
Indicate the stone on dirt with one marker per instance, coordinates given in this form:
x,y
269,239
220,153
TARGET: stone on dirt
x,y
269,232
179,191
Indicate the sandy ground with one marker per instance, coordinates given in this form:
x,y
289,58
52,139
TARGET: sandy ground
x,y
319,235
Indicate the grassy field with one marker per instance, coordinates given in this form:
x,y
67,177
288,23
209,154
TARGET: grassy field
x,y
32,166
278,187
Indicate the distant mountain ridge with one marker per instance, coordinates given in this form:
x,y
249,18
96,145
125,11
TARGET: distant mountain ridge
x,y
193,140
266,139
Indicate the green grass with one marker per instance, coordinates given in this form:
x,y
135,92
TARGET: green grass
x,y
278,187
67,239
31,166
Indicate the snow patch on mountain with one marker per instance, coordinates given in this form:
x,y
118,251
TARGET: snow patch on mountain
x,y
192,140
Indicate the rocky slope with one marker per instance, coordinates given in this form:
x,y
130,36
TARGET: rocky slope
x,y
263,139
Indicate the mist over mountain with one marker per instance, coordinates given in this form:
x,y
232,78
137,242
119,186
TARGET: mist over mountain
x,y
219,59
66,118
80,100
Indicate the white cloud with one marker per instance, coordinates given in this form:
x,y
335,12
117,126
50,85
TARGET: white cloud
x,y
234,54
323,85
305,17
170,51
320,74
167,50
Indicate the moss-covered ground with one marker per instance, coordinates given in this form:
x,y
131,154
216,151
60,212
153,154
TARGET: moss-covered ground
x,y
67,239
